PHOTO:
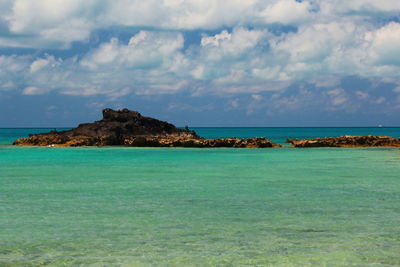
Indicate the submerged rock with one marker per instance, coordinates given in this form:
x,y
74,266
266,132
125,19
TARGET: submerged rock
x,y
130,128
347,141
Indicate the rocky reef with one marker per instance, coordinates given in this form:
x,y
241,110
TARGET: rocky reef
x,y
347,141
129,128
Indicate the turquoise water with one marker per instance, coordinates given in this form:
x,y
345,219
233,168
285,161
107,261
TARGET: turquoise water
x,y
199,207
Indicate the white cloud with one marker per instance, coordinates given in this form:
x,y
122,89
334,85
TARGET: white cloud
x,y
120,93
217,39
12,71
380,100
57,23
12,63
50,23
240,60
32,90
315,50
228,57
328,40
254,53
338,96
144,50
385,44
326,81
257,97
169,87
231,45
40,64
287,12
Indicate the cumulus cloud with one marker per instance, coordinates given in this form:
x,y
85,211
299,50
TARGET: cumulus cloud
x,y
240,60
54,23
58,23
380,100
338,96
385,44
12,71
230,45
144,50
39,64
287,12
252,47
257,97
32,90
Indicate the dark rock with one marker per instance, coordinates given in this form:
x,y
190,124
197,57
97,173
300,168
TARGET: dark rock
x,y
124,123
130,128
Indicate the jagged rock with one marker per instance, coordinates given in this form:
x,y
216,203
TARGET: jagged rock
x,y
119,124
130,128
179,141
348,141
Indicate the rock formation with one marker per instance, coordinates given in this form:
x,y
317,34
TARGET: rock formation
x,y
348,141
130,128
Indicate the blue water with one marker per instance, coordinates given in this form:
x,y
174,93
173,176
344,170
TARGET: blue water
x,y
124,206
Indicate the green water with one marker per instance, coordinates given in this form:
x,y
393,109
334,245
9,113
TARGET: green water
x,y
199,207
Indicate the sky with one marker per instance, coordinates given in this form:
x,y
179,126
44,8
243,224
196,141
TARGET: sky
x,y
237,63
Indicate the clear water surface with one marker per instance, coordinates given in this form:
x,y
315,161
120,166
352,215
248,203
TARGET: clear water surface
x,y
200,207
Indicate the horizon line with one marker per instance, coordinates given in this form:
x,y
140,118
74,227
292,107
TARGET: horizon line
x,y
221,127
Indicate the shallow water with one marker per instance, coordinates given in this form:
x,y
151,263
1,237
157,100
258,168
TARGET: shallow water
x,y
199,207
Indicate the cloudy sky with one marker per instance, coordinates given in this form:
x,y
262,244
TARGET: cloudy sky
x,y
201,63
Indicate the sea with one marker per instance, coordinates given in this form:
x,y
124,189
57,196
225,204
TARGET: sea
x,y
123,206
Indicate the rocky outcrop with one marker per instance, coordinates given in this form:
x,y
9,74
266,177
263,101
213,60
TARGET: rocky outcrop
x,y
179,141
348,141
130,128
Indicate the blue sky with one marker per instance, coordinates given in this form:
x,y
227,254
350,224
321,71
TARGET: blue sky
x,y
201,63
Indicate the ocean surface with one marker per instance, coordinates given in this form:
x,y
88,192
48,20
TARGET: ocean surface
x,y
118,206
